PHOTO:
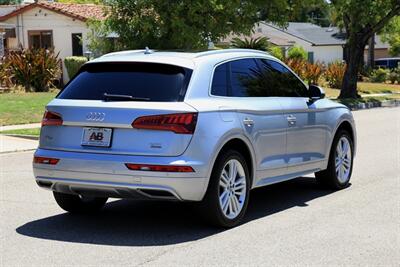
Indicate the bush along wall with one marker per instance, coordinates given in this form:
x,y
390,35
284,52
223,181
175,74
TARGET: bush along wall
x,y
73,64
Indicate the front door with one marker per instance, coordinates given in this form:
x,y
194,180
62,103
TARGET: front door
x,y
306,131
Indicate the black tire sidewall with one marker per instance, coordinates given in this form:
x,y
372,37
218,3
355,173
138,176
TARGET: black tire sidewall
x,y
212,195
331,167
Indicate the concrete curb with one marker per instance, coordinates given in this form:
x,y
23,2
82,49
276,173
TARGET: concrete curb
x,y
375,104
30,137
17,151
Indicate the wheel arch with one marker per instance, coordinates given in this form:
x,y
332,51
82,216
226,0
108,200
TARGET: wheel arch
x,y
244,147
350,128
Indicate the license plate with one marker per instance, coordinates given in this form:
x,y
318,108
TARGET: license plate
x,y
96,137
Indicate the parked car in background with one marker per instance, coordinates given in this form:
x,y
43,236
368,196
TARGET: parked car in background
x,y
387,63
205,127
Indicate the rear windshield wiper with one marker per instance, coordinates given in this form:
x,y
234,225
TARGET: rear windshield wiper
x,y
111,97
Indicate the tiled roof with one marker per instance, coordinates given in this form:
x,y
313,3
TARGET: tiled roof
x,y
77,11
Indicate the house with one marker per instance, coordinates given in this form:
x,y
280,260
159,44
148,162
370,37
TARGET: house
x,y
61,26
324,44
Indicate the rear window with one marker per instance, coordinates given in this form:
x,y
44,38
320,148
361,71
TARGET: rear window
x,y
146,81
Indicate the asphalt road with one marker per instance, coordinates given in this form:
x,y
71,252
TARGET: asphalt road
x,y
294,223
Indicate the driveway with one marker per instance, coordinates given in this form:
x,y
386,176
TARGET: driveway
x,y
293,223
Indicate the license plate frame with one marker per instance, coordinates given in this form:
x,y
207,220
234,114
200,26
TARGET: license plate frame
x,y
91,137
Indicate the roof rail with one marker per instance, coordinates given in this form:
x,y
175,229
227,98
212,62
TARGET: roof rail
x,y
229,50
138,51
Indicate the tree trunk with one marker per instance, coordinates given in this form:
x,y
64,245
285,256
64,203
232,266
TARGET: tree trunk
x,y
371,51
355,53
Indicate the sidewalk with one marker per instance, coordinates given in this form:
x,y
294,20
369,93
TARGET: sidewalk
x,y
13,144
19,126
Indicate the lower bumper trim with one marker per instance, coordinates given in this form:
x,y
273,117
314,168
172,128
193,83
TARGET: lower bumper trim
x,y
107,189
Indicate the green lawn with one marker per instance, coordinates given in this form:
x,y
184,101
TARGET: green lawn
x,y
34,131
21,108
368,88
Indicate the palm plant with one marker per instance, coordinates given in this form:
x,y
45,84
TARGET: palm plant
x,y
259,43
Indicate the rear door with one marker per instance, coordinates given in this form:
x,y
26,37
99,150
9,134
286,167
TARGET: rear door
x,y
261,116
99,106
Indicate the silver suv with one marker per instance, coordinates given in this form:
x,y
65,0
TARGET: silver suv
x,y
205,127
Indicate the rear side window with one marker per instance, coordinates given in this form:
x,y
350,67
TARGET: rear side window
x,y
243,76
146,81
219,85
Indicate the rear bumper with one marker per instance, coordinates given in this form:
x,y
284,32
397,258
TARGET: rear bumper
x,y
107,175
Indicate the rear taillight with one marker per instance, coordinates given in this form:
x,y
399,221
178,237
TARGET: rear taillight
x,y
180,123
158,168
51,118
45,160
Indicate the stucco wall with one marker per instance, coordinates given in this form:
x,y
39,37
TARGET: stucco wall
x,y
43,19
324,54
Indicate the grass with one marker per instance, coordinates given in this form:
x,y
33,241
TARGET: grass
x,y
21,108
33,132
365,88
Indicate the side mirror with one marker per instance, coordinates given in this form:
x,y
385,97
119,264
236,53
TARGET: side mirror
x,y
315,92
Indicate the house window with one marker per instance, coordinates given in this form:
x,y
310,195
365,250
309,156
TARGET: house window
x,y
77,49
40,39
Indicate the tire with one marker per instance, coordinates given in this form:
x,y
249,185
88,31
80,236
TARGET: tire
x,y
78,204
234,195
331,178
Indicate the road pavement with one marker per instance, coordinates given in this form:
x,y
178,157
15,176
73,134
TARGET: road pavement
x,y
293,223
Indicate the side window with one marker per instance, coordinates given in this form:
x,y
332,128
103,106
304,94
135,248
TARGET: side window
x,y
280,81
219,86
244,76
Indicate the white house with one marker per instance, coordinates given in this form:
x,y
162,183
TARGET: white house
x,y
61,26
324,44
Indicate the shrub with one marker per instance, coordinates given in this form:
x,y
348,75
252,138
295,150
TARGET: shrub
x,y
334,74
394,75
297,52
379,75
35,69
259,43
5,75
73,64
277,52
313,72
298,66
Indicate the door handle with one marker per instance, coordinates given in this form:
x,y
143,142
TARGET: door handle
x,y
248,122
291,120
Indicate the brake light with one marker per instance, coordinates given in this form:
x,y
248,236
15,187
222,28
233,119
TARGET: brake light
x,y
158,168
51,119
180,123
45,160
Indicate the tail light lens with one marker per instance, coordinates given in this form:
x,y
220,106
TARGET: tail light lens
x,y
180,123
51,118
158,168
45,160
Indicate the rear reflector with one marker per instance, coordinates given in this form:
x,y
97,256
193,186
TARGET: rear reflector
x,y
51,119
158,168
45,160
180,123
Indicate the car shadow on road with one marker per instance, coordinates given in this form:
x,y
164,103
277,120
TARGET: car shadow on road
x,y
154,223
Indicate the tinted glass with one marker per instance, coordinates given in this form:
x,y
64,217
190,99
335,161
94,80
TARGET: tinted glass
x,y
157,82
278,80
219,85
243,75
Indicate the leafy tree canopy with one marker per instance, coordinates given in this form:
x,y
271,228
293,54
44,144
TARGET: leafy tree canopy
x,y
391,34
186,24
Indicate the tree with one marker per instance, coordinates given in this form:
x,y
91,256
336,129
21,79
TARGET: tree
x,y
391,34
10,2
314,11
360,19
184,24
